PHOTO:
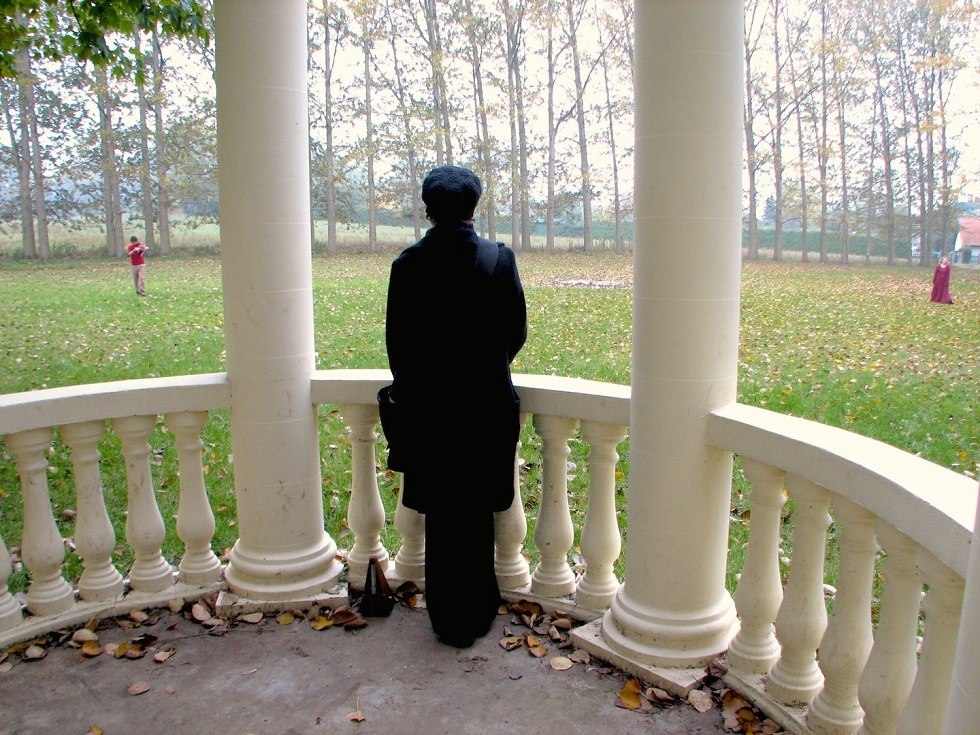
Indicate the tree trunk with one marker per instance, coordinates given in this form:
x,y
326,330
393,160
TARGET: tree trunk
x,y
574,19
777,138
160,143
111,198
146,182
328,153
372,200
617,209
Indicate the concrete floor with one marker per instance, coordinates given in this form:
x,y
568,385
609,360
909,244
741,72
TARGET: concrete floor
x,y
276,679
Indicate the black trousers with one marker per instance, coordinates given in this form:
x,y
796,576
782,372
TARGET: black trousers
x,y
461,590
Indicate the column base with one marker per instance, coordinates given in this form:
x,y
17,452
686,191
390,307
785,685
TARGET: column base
x,y
664,640
283,576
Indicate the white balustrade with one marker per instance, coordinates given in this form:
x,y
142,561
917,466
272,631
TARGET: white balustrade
x,y
94,536
365,512
10,614
802,618
601,541
925,710
145,531
760,591
510,530
195,519
554,532
847,641
890,671
42,548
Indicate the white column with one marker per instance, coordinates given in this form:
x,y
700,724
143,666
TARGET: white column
x,y
10,614
673,609
410,559
964,696
195,519
263,179
94,535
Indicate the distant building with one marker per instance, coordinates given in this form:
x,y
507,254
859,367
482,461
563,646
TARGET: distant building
x,y
966,246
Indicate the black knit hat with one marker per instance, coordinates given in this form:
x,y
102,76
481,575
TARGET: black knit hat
x,y
451,193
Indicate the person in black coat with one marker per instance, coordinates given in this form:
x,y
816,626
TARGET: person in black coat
x,y
456,318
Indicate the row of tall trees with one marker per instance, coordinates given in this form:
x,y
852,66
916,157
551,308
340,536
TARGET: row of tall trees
x,y
845,119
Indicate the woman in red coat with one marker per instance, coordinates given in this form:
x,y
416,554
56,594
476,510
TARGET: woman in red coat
x,y
940,283
456,318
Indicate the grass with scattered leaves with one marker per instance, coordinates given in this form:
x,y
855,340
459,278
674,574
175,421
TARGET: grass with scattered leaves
x,y
860,348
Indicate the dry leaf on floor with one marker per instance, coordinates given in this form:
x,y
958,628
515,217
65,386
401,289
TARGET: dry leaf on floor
x,y
321,622
200,613
84,635
285,618
252,618
538,651
91,649
631,697
34,653
701,701
357,715
580,657
138,687
94,730
561,663
138,616
511,642
161,656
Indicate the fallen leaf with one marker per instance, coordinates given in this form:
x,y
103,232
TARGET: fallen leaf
x,y
135,651
343,615
161,656
631,697
34,653
252,618
511,642
701,701
175,606
84,635
285,618
94,730
356,715
169,690
200,613
538,651
561,663
321,622
659,696
138,616
139,687
91,649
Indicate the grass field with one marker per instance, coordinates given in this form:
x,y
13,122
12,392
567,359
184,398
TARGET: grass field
x,y
860,348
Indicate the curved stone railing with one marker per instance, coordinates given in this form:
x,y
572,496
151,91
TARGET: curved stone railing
x,y
906,517
817,674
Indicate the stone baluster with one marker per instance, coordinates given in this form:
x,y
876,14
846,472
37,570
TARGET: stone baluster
x,y
195,519
94,536
365,512
42,548
510,530
145,531
554,533
943,603
600,536
847,642
760,590
888,675
10,614
802,618
410,559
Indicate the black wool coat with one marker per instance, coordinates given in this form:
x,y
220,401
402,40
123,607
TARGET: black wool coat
x,y
451,332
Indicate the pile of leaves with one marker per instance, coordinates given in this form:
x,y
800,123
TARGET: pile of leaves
x,y
738,714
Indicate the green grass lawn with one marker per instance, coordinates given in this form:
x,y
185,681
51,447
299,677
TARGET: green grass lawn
x,y
860,348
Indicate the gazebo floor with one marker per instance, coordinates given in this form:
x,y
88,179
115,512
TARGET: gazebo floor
x,y
272,678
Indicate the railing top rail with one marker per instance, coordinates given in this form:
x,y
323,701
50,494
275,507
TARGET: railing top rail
x,y
930,504
98,401
547,394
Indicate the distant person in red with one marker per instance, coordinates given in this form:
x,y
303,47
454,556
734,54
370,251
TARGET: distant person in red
x,y
136,249
940,283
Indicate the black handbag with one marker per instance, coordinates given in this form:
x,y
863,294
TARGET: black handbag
x,y
395,431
